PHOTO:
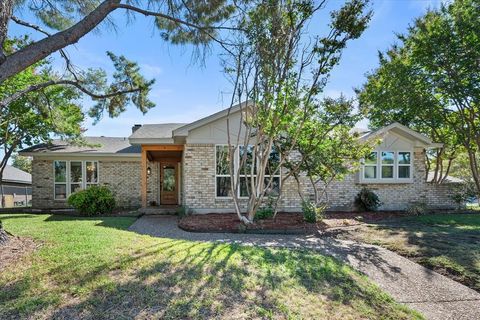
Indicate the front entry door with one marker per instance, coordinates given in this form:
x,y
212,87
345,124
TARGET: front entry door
x,y
168,183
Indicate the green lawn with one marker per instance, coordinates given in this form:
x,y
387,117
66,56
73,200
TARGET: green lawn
x,y
94,268
446,243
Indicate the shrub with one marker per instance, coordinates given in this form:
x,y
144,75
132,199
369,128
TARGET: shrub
x,y
312,213
93,201
417,209
367,200
264,213
463,194
183,211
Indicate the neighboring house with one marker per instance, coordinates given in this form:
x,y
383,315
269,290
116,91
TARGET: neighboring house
x,y
15,188
181,164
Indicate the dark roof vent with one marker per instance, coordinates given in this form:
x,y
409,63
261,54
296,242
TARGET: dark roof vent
x,y
136,127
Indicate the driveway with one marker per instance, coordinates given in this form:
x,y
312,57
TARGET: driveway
x,y
435,296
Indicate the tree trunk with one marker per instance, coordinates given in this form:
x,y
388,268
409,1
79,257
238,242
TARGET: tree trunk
x,y
3,235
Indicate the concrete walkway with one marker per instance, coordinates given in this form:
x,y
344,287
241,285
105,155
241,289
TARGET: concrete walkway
x,y
435,296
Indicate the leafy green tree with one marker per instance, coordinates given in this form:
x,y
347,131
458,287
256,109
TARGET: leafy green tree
x,y
281,71
431,82
329,148
22,163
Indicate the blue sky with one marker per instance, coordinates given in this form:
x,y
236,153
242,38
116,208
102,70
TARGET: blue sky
x,y
185,91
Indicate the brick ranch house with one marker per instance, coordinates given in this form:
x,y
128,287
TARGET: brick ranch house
x,y
178,164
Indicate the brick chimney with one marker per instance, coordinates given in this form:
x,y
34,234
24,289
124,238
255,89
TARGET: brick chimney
x,y
136,127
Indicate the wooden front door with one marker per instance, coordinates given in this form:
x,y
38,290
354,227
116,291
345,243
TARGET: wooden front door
x,y
168,183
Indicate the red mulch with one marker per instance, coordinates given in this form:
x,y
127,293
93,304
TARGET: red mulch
x,y
284,223
228,222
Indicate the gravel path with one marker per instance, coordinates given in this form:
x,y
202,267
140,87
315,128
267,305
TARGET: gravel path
x,y
435,296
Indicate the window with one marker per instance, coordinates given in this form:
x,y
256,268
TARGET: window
x,y
388,165
370,167
404,165
249,166
272,172
246,171
92,172
222,173
60,188
71,176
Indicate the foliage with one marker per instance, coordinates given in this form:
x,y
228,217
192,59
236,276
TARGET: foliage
x,y
22,163
430,82
329,149
417,209
312,213
92,201
264,213
464,193
183,211
282,70
367,200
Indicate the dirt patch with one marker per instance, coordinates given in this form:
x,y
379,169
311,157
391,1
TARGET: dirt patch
x,y
284,223
14,249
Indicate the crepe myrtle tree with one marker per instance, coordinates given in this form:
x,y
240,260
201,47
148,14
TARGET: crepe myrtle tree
x,y
328,149
431,80
280,70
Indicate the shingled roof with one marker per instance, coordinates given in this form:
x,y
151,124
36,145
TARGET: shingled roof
x,y
14,175
96,145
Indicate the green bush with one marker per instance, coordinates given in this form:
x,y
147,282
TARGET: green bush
x,y
264,213
313,213
93,201
367,200
183,211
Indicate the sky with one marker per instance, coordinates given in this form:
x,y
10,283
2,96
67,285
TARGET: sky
x,y
185,91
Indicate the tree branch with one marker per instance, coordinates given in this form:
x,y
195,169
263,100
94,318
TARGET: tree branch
x,y
4,103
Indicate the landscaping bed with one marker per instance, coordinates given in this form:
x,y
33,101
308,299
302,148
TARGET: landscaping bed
x,y
284,223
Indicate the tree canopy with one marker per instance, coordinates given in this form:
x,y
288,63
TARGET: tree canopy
x,y
430,81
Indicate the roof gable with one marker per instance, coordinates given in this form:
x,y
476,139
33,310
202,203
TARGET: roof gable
x,y
184,130
407,133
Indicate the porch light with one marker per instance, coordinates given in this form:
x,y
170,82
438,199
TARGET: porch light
x,y
149,171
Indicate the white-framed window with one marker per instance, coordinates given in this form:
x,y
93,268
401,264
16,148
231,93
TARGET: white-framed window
x,y
222,171
370,166
73,175
223,166
404,161
387,165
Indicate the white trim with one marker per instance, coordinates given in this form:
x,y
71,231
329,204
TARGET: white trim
x,y
150,141
379,179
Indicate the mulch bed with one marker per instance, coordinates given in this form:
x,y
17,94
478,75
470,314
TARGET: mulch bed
x,y
14,249
285,223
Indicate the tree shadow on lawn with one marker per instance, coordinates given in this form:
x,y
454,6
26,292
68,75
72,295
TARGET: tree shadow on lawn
x,y
181,279
120,223
450,249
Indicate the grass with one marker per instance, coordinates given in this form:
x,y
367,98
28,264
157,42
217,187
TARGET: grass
x,y
93,268
446,243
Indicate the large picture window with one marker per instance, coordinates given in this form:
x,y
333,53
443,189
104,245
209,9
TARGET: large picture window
x,y
71,176
247,171
388,166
